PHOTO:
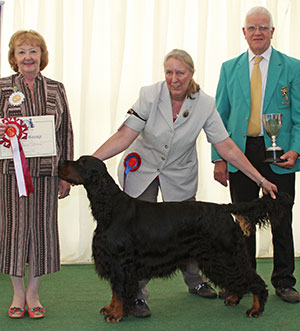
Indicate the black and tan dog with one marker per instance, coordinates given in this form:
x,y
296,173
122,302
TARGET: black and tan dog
x,y
137,240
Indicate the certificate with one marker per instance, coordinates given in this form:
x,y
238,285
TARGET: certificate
x,y
41,138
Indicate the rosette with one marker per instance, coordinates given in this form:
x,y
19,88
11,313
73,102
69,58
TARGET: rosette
x,y
16,131
16,97
131,163
16,126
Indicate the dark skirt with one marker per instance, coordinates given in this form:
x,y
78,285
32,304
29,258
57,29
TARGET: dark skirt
x,y
29,224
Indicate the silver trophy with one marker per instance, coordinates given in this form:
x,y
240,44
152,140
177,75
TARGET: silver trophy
x,y
272,124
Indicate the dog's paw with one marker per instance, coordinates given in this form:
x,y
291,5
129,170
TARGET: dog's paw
x,y
113,319
232,300
106,310
253,313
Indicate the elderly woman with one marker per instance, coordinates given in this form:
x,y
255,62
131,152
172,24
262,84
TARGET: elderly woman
x,y
160,137
28,224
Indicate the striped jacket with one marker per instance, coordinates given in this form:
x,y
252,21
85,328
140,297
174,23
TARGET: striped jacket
x,y
49,99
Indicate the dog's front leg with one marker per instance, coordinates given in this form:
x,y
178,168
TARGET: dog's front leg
x,y
117,314
255,310
232,300
108,309
114,311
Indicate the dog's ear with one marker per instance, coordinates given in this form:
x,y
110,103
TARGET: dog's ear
x,y
93,171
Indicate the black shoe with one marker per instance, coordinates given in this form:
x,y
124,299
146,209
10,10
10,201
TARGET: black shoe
x,y
204,290
141,309
223,294
288,294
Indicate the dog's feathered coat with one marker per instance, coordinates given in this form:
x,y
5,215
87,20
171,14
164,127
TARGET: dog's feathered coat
x,y
137,240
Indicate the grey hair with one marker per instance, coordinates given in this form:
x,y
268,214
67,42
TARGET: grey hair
x,y
187,60
182,56
262,11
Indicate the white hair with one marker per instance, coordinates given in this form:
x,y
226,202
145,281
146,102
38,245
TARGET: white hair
x,y
262,11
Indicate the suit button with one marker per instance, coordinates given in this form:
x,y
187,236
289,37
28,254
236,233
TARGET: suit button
x,y
166,146
246,118
244,136
163,158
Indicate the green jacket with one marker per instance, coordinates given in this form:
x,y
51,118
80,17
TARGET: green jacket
x,y
233,102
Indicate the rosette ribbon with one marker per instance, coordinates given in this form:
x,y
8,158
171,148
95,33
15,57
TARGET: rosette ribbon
x,y
16,131
131,163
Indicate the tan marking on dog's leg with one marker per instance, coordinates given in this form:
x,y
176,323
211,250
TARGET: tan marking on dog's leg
x,y
116,314
254,310
232,300
108,309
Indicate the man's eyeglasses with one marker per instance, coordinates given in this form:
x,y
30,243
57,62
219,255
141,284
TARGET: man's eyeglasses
x,y
261,28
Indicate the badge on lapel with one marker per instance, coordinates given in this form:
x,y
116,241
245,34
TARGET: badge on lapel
x,y
284,91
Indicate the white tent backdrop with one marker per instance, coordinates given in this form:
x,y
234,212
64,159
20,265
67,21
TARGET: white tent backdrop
x,y
105,50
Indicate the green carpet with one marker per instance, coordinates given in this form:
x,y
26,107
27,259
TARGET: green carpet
x,y
73,296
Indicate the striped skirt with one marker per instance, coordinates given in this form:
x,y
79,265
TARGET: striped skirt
x,y
29,224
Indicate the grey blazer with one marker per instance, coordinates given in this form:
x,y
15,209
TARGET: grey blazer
x,y
168,149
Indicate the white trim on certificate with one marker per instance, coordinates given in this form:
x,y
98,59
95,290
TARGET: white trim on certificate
x,y
41,138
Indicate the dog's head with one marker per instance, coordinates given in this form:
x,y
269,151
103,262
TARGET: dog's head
x,y
81,171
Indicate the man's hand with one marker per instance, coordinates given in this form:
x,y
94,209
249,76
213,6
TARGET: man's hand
x,y
290,157
221,173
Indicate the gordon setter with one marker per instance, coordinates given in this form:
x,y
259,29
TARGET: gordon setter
x,y
137,240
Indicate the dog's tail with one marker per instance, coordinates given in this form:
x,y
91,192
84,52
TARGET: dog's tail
x,y
262,211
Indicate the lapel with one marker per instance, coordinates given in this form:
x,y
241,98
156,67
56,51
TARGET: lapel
x,y
242,72
274,72
164,105
185,112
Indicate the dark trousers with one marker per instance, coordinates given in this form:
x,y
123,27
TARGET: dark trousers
x,y
244,189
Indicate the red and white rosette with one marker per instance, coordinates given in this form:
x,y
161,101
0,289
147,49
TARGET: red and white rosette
x,y
16,131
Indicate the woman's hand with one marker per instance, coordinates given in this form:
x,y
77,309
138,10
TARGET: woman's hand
x,y
63,189
3,128
268,188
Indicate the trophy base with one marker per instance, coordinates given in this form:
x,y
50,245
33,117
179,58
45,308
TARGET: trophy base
x,y
273,156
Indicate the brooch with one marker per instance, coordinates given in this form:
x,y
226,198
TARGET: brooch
x,y
284,91
16,98
186,113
